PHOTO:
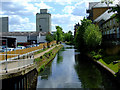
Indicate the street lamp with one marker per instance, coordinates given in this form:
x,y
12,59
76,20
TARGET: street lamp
x,y
6,47
6,53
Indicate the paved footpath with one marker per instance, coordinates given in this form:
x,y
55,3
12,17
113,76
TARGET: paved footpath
x,y
14,65
42,53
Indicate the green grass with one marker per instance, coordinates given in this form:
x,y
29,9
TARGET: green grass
x,y
106,60
41,51
47,57
111,66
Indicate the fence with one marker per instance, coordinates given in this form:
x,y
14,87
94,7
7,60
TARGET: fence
x,y
26,51
14,64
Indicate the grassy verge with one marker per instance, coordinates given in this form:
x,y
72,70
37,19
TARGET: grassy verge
x,y
106,60
40,51
69,43
42,61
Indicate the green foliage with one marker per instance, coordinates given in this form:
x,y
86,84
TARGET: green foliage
x,y
116,9
49,37
107,1
93,53
92,36
97,57
59,34
112,66
79,41
68,36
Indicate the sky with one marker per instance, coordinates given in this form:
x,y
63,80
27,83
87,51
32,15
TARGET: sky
x,y
64,13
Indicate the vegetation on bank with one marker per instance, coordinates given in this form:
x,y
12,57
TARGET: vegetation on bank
x,y
88,39
88,36
107,60
46,58
59,36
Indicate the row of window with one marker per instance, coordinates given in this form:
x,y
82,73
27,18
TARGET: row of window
x,y
112,31
112,21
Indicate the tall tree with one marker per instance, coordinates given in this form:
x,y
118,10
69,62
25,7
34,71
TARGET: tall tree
x,y
92,37
79,41
59,34
49,37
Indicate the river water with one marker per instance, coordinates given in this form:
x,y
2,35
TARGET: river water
x,y
71,69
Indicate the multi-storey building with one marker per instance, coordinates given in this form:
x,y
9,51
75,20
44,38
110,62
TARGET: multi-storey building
x,y
43,21
96,9
109,26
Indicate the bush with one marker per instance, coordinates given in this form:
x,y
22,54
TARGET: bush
x,y
92,36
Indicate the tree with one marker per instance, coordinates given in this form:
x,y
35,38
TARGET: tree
x,y
79,41
107,2
68,37
49,37
59,34
92,36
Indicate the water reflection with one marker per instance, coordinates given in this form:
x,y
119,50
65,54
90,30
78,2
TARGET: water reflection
x,y
88,74
71,69
59,57
46,73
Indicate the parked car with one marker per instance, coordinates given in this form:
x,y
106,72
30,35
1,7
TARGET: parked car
x,y
37,44
21,47
33,45
28,46
2,47
17,48
8,49
4,50
1,50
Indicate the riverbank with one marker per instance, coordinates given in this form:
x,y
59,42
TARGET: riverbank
x,y
43,60
108,63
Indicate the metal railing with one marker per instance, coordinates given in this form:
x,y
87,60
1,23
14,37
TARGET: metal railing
x,y
12,65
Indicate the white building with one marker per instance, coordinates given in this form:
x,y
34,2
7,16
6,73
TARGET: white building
x,y
24,37
43,21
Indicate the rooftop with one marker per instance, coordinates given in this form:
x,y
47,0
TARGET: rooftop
x,y
22,33
105,16
99,5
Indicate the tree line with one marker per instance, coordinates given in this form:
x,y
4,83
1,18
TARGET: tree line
x,y
59,36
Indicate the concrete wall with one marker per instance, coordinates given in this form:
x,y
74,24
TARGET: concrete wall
x,y
4,24
41,39
43,22
19,38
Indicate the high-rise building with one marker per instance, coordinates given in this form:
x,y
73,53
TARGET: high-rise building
x,y
43,21
3,24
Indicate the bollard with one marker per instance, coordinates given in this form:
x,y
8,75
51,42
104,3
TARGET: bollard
x,y
18,57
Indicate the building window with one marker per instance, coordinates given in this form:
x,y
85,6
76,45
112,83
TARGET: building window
x,y
114,21
118,33
39,25
40,29
110,22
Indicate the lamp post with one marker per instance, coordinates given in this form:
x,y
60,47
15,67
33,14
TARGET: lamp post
x,y
6,47
6,53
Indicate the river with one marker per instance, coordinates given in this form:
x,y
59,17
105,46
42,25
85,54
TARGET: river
x,y
70,69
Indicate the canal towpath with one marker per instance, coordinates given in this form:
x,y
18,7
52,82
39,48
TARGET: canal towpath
x,y
12,67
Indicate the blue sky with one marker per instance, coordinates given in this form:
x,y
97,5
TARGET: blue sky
x,y
22,13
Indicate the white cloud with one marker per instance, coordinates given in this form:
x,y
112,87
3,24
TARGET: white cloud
x,y
68,9
15,19
23,27
42,5
67,21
